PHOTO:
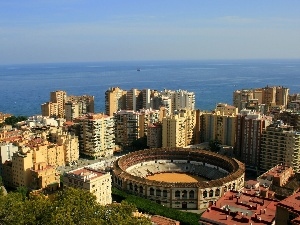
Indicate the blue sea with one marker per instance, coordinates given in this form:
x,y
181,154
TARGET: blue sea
x,y
25,87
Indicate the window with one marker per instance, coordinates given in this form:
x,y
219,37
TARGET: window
x,y
211,193
141,189
158,192
151,191
177,194
192,194
204,194
165,193
184,194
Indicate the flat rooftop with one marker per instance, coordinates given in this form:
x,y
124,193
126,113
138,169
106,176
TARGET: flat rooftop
x,y
85,173
292,202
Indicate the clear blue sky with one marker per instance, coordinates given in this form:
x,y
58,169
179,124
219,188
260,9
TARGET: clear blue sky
x,y
34,31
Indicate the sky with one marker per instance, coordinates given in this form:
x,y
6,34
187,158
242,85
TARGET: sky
x,y
50,31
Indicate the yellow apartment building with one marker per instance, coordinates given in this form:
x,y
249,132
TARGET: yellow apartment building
x,y
21,169
44,176
178,129
115,100
94,181
216,126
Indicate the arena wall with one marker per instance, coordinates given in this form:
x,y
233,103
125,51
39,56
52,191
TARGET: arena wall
x,y
181,195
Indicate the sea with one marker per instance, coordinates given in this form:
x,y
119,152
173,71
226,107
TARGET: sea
x,y
25,87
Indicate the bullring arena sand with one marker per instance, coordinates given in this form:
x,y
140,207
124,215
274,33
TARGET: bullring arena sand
x,y
176,177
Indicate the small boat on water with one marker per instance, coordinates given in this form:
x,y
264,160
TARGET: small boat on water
x,y
138,69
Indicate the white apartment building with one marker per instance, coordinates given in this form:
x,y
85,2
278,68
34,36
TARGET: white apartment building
x,y
280,145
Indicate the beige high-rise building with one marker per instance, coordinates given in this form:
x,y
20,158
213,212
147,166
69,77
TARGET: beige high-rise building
x,y
177,129
183,100
280,145
97,136
225,109
85,103
115,100
216,126
21,165
146,95
70,144
94,181
59,97
154,135
71,111
146,117
49,109
270,96
133,100
126,127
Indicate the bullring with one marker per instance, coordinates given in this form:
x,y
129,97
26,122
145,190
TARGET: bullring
x,y
220,174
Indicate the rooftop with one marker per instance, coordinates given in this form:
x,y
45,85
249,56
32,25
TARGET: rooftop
x,y
276,171
292,202
85,173
241,208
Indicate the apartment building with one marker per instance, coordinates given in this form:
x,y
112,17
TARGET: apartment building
x,y
270,96
70,145
250,126
154,135
71,110
146,117
183,99
96,182
6,152
134,100
280,145
216,126
126,127
44,176
178,129
61,105
86,103
180,99
290,117
241,98
21,164
225,109
115,100
97,135
288,210
50,109
59,97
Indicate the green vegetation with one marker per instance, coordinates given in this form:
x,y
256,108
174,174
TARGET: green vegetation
x,y
150,207
215,145
140,143
13,120
68,207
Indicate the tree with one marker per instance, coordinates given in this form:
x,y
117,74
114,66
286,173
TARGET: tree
x,y
140,143
67,207
215,145
13,120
